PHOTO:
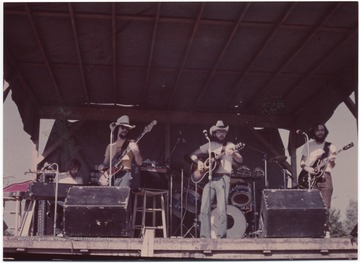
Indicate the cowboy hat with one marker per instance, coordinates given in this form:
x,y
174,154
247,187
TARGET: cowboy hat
x,y
124,121
218,126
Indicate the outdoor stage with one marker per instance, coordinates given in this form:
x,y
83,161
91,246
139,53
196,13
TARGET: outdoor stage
x,y
48,247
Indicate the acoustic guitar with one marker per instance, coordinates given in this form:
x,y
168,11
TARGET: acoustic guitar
x,y
197,175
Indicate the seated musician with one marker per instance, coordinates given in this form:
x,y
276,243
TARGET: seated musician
x,y
113,154
71,176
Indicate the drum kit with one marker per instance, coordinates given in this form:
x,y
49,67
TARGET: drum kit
x,y
241,206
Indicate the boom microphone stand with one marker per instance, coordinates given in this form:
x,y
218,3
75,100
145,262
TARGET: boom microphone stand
x,y
210,170
56,194
308,153
112,126
195,224
180,139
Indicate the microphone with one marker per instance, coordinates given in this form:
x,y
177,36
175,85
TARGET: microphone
x,y
183,140
205,132
299,132
112,125
47,166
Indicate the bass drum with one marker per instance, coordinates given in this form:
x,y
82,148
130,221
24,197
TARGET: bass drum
x,y
240,195
236,222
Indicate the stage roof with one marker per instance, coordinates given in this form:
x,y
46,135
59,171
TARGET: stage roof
x,y
266,64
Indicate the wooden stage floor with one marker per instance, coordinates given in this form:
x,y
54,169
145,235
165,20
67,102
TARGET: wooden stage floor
x,y
150,248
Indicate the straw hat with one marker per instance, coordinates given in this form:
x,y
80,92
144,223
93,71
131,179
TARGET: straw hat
x,y
124,121
218,126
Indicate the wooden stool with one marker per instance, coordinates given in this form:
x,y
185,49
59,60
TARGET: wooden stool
x,y
154,194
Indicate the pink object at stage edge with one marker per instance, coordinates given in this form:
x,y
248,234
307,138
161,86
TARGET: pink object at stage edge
x,y
17,187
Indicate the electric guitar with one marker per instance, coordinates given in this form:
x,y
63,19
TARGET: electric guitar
x,y
197,175
319,170
117,159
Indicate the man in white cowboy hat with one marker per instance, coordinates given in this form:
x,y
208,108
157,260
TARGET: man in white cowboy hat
x,y
121,129
220,182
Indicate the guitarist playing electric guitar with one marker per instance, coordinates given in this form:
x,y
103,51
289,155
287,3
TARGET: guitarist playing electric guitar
x,y
220,180
122,177
318,150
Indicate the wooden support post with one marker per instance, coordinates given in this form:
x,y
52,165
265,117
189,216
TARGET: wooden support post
x,y
147,248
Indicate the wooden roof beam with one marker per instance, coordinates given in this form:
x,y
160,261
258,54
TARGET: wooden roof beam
x,y
219,59
151,55
10,59
78,53
186,55
331,83
43,52
101,113
114,53
293,54
321,61
234,91
181,20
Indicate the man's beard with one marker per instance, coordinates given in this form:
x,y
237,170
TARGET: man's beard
x,y
320,139
216,139
122,136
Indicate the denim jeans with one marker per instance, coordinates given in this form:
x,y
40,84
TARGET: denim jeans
x,y
326,190
123,178
218,187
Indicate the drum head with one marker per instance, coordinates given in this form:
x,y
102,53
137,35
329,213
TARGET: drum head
x,y
240,195
236,222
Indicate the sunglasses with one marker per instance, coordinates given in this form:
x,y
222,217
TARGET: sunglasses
x,y
124,128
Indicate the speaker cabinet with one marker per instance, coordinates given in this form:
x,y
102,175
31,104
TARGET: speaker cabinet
x,y
292,213
97,211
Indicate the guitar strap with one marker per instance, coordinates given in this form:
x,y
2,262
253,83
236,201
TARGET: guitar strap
x,y
326,150
223,147
125,145
123,148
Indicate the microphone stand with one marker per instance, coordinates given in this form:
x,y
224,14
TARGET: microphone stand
x,y
111,157
254,187
265,165
171,189
308,156
56,194
209,176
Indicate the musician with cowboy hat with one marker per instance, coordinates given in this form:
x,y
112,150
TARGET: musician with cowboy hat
x,y
225,154
114,150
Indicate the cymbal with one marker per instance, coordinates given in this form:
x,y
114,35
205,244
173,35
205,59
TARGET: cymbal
x,y
279,158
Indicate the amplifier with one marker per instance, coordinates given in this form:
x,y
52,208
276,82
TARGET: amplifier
x,y
97,211
292,213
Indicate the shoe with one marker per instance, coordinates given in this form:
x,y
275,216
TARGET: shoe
x,y
58,232
327,234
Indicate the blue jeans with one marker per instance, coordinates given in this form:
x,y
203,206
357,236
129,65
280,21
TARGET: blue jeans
x,y
123,178
219,186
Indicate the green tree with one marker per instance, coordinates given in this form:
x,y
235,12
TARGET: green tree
x,y
336,226
351,217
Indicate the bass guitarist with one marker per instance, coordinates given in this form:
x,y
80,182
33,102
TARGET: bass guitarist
x,y
122,177
220,183
317,151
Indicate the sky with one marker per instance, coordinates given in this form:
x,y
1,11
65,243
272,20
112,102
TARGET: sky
x,y
18,151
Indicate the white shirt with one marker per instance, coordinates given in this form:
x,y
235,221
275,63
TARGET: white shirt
x,y
316,150
66,178
225,161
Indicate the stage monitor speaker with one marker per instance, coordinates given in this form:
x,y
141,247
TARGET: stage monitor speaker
x,y
292,213
97,211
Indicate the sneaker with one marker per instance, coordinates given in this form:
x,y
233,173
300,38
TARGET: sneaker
x,y
58,231
327,234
